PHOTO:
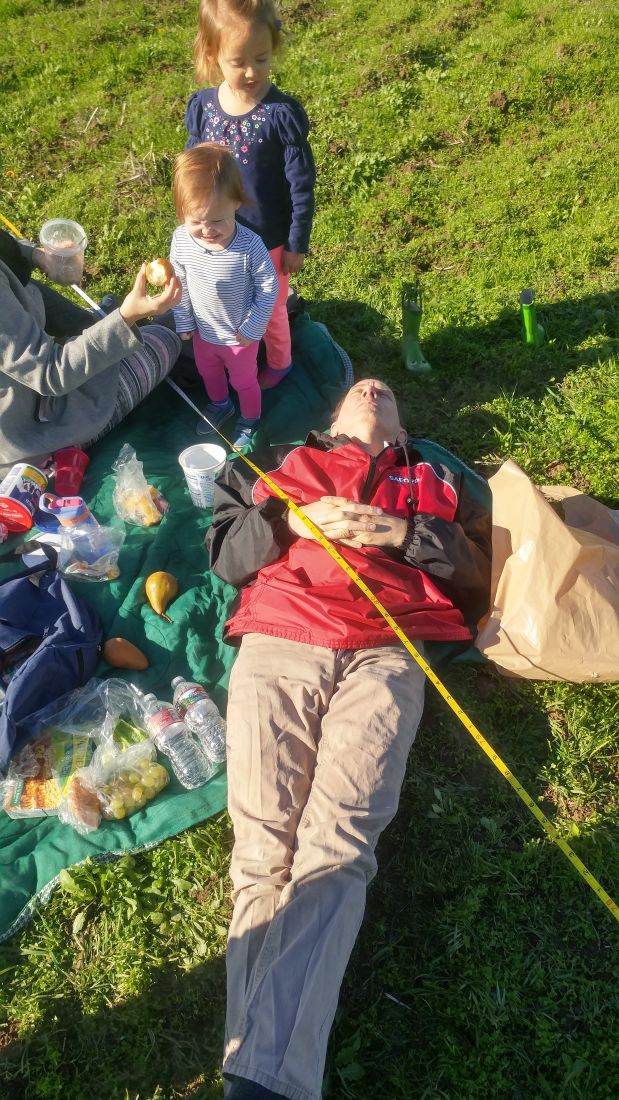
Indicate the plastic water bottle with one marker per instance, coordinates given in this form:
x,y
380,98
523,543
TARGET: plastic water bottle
x,y
200,715
171,736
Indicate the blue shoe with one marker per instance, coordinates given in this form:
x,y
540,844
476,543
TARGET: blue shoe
x,y
243,431
109,303
218,412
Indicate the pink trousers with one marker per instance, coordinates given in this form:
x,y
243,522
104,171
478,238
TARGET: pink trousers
x,y
277,335
218,362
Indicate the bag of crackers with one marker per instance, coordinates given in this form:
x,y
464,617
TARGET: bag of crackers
x,y
39,773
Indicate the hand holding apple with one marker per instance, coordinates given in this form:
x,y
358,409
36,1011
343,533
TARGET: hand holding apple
x,y
139,304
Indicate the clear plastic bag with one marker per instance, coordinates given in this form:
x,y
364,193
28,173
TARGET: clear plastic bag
x,y
110,712
134,499
90,553
95,553
122,775
130,780
113,786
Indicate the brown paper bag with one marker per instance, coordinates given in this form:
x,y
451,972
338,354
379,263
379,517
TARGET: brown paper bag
x,y
555,582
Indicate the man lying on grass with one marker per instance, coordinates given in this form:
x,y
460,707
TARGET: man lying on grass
x,y
324,705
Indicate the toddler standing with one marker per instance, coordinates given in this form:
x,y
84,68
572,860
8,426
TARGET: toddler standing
x,y
267,133
229,284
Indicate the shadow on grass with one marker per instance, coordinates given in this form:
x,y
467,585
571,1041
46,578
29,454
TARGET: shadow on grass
x,y
165,1039
472,900
473,363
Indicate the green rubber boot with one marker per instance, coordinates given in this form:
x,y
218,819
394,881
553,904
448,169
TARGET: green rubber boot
x,y
412,310
532,333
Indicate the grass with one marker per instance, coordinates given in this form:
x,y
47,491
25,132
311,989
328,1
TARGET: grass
x,y
471,144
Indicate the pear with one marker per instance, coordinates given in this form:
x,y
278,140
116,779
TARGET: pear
x,y
161,589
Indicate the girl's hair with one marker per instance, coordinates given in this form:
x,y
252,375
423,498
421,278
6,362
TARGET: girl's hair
x,y
215,16
200,171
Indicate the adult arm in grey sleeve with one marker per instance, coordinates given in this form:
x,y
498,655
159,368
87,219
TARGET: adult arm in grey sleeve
x,y
35,360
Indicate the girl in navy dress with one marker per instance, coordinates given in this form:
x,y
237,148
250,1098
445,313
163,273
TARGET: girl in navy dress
x,y
266,131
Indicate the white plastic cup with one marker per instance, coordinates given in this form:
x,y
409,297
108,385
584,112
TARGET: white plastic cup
x,y
201,464
64,243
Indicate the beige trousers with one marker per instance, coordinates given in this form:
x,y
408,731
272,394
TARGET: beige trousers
x,y
317,746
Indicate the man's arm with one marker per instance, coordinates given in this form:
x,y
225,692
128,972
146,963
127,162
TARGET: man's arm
x,y
245,536
457,555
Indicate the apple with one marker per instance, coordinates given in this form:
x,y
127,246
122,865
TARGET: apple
x,y
159,272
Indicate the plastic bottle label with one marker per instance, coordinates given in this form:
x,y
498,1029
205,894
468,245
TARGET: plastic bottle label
x,y
160,719
192,695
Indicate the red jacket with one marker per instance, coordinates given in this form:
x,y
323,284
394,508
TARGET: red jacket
x,y
292,588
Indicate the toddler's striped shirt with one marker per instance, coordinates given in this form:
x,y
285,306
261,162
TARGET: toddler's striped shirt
x,y
224,292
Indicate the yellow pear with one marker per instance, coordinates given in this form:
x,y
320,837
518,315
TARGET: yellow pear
x,y
161,589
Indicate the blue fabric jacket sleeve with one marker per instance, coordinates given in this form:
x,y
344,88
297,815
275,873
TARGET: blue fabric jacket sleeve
x,y
293,127
193,120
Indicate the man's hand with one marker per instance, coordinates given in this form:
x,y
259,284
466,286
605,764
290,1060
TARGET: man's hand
x,y
242,340
139,303
187,335
350,522
292,262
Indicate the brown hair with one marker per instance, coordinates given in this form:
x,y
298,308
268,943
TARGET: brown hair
x,y
214,16
200,171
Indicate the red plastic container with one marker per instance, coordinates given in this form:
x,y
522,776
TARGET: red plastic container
x,y
70,465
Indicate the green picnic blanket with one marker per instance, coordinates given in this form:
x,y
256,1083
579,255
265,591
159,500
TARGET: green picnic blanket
x,y
34,851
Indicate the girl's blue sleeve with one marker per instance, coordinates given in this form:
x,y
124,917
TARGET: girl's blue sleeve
x,y
293,126
193,120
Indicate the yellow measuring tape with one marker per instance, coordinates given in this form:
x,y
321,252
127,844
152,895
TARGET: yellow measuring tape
x,y
11,226
547,825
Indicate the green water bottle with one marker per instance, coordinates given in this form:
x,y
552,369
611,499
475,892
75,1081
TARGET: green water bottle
x,y
532,332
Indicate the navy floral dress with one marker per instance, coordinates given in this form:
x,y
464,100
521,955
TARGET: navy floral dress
x,y
275,160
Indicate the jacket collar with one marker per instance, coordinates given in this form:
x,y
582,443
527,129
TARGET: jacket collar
x,y
321,441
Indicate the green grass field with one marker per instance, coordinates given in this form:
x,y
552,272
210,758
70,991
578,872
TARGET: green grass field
x,y
474,144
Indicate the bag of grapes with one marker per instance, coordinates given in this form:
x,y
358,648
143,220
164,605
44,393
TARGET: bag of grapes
x,y
115,785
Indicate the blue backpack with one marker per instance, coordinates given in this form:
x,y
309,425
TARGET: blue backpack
x,y
57,638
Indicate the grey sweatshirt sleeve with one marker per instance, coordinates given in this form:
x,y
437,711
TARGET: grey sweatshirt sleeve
x,y
35,360
27,250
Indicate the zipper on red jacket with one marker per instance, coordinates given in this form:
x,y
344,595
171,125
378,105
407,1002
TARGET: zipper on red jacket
x,y
369,478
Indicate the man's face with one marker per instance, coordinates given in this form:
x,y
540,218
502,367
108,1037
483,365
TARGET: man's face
x,y
369,409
